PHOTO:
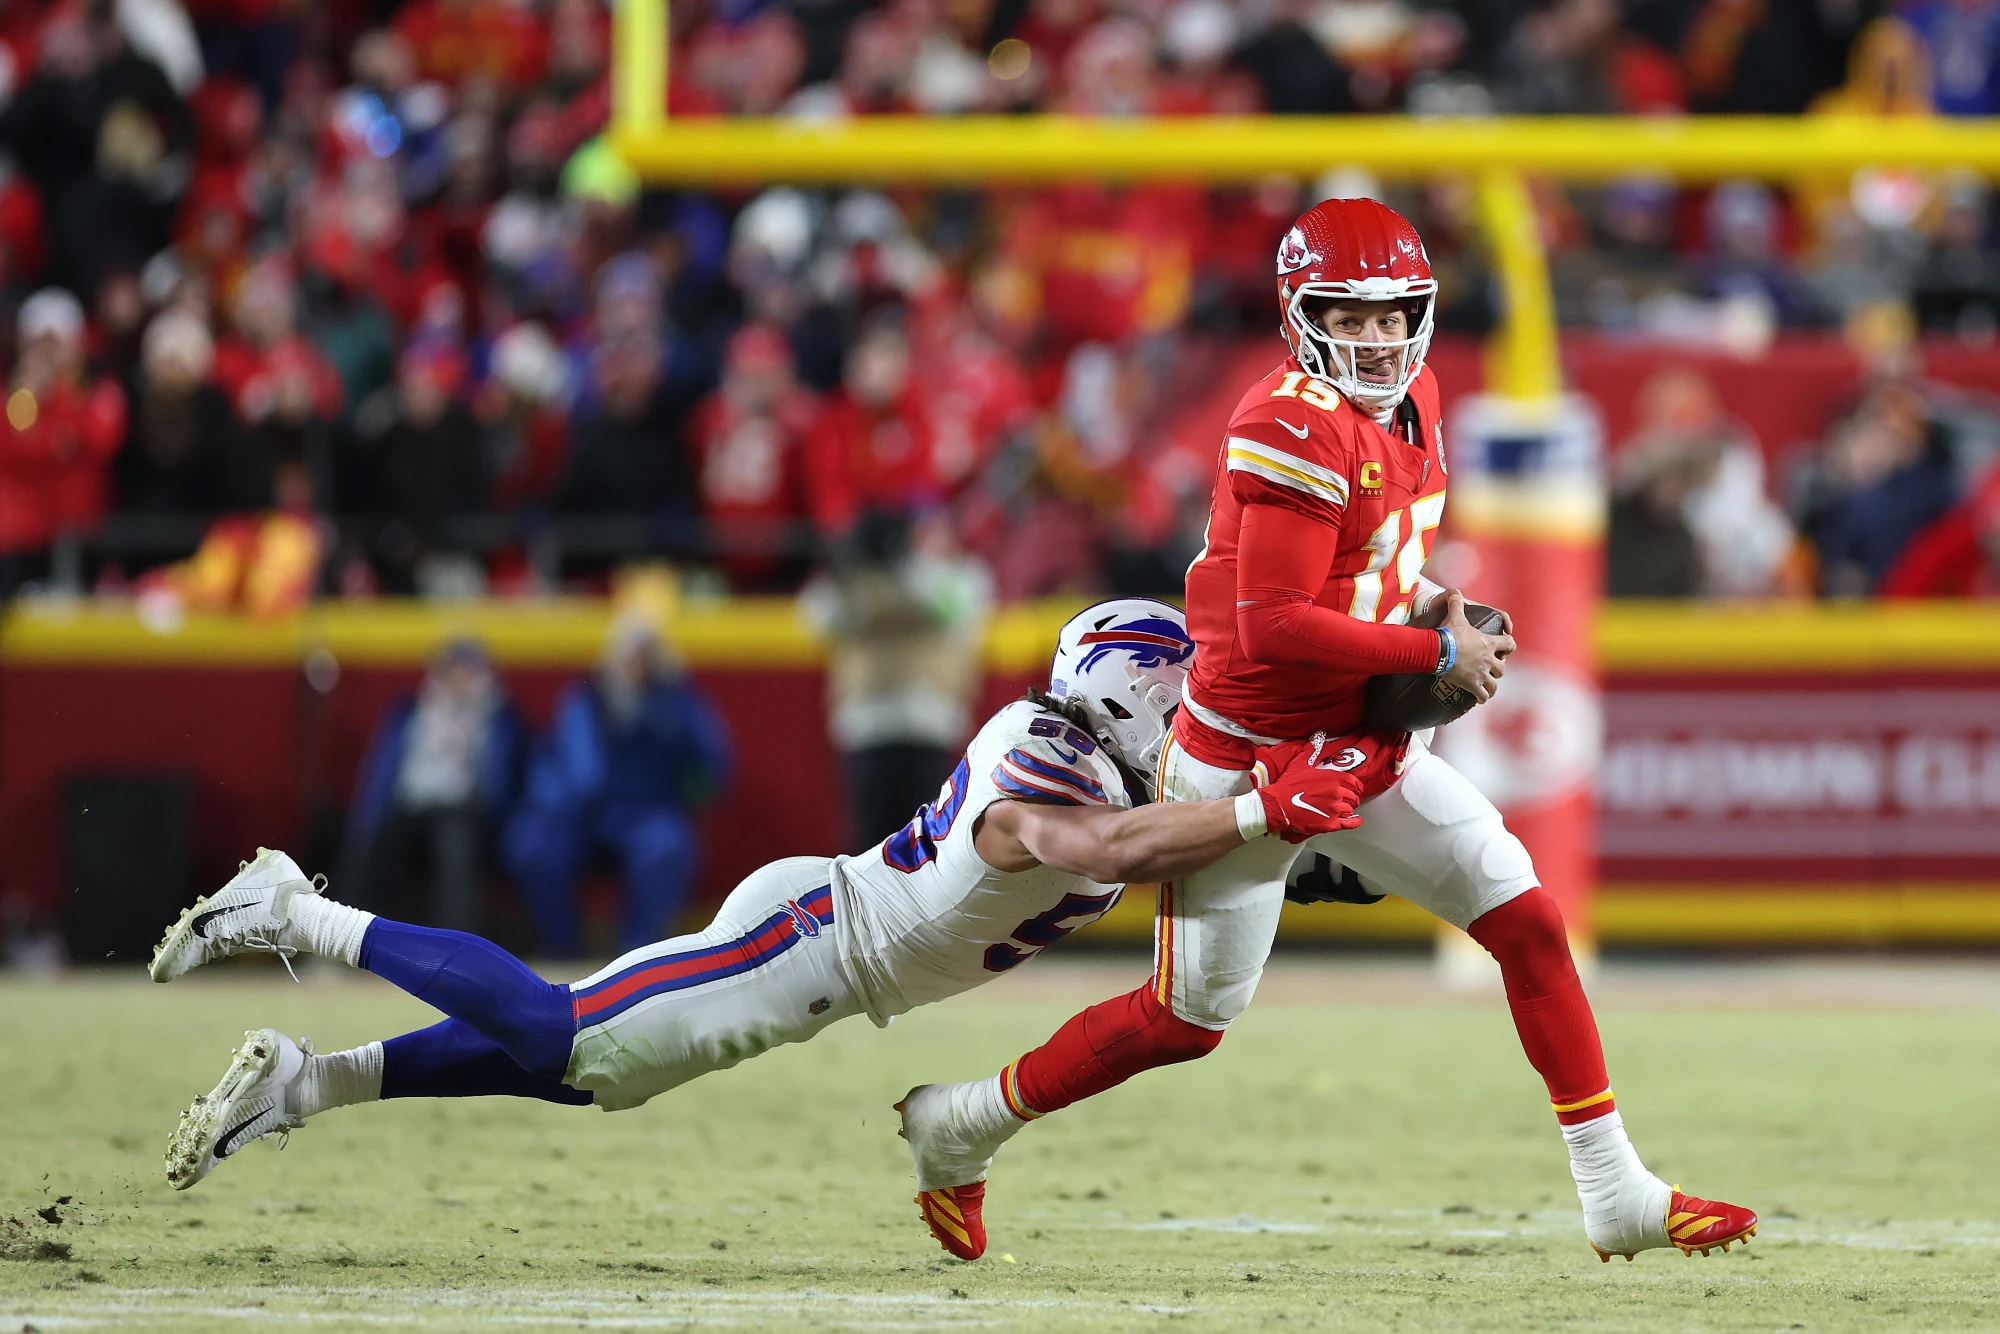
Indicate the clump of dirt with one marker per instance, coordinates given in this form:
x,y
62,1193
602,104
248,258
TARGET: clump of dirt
x,y
27,1236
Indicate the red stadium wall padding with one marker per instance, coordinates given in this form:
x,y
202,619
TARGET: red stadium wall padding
x,y
260,744
235,730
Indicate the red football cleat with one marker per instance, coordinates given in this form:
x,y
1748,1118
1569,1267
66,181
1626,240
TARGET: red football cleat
x,y
1702,1225
955,1218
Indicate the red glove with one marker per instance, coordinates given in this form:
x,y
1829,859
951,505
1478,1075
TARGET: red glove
x,y
1314,788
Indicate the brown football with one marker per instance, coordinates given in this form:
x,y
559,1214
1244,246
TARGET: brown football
x,y
1412,701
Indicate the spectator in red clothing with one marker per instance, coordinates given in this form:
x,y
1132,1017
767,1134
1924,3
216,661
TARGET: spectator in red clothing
x,y
1109,263
1053,28
579,55
875,71
1110,72
23,242
266,365
871,448
456,40
60,434
750,67
524,409
1958,555
748,445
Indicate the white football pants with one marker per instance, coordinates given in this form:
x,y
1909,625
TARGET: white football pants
x,y
1433,838
767,971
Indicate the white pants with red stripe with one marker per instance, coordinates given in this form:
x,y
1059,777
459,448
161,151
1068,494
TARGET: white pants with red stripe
x,y
1433,838
767,971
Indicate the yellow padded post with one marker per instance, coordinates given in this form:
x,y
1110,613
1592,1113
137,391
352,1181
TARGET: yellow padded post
x,y
638,69
1524,358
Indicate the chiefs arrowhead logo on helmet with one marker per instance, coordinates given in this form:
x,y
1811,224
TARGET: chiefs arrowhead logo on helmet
x,y
1294,254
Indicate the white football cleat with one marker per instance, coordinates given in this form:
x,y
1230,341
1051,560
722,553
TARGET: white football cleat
x,y
255,1098
249,914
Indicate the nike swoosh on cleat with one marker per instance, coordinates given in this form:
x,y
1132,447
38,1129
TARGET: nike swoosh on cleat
x,y
223,1146
1303,804
1300,431
200,924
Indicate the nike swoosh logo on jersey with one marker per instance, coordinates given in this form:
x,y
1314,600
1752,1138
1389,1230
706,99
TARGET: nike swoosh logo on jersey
x,y
200,924
1068,757
226,1145
1302,803
1300,431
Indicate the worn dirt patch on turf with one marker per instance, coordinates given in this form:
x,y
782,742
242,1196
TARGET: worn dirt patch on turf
x,y
29,1238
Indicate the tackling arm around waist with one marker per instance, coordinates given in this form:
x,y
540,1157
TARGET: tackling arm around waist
x,y
1112,845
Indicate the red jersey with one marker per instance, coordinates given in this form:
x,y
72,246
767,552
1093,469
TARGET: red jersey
x,y
1294,442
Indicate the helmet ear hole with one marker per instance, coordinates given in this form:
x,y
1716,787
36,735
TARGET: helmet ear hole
x,y
1115,709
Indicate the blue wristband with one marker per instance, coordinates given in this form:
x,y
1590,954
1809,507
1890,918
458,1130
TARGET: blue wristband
x,y
1447,653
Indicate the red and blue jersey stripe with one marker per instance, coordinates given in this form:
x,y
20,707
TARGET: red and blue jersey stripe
x,y
610,997
1022,773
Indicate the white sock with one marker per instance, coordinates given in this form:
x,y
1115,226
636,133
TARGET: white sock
x,y
959,1126
339,1079
1624,1205
981,1110
328,929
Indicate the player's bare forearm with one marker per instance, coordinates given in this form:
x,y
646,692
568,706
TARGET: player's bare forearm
x,y
1107,844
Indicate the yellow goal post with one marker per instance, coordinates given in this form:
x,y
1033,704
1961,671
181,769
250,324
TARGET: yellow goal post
x,y
1523,358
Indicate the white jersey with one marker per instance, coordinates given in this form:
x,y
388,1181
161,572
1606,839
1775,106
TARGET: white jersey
x,y
922,917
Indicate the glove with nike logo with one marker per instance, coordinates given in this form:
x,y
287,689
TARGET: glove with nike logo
x,y
1315,787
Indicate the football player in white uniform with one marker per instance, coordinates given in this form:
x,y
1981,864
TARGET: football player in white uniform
x,y
1033,835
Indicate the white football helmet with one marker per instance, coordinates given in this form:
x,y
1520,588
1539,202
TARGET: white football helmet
x,y
1123,661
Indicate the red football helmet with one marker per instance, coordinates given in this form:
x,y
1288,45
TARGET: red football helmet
x,y
1361,250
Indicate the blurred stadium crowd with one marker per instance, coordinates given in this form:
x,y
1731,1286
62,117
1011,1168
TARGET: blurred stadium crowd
x,y
349,298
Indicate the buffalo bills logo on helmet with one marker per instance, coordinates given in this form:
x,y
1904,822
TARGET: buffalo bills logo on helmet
x,y
1153,641
803,922
1294,254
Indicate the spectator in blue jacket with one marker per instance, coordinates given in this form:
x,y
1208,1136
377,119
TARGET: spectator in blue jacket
x,y
1885,473
630,756
435,786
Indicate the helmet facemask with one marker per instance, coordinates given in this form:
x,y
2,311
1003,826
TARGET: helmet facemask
x,y
1335,360
1133,723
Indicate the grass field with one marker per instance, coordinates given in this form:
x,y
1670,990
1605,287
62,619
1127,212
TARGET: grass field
x,y
1360,1155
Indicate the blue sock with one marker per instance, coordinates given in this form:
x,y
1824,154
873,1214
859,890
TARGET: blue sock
x,y
451,1060
473,980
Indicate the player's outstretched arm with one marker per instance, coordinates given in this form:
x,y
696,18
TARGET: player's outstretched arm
x,y
1114,846
1108,844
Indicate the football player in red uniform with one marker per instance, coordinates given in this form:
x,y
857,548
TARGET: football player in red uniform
x,y
1332,483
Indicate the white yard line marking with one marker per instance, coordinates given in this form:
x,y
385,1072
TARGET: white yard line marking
x,y
1890,1234
589,1308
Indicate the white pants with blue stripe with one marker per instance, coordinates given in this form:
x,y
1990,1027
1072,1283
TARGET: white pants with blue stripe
x,y
765,972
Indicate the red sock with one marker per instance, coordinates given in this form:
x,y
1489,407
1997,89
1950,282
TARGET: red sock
x,y
1551,1013
1101,1048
